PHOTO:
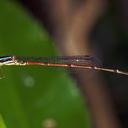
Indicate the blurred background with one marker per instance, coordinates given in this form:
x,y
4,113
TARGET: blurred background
x,y
36,97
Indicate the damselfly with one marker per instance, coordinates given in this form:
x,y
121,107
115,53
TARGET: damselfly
x,y
83,62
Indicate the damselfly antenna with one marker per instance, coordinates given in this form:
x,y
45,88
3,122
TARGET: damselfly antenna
x,y
83,62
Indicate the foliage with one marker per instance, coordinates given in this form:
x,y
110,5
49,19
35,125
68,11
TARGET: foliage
x,y
31,96
2,125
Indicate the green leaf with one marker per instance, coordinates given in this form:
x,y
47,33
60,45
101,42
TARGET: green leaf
x,y
30,96
2,124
